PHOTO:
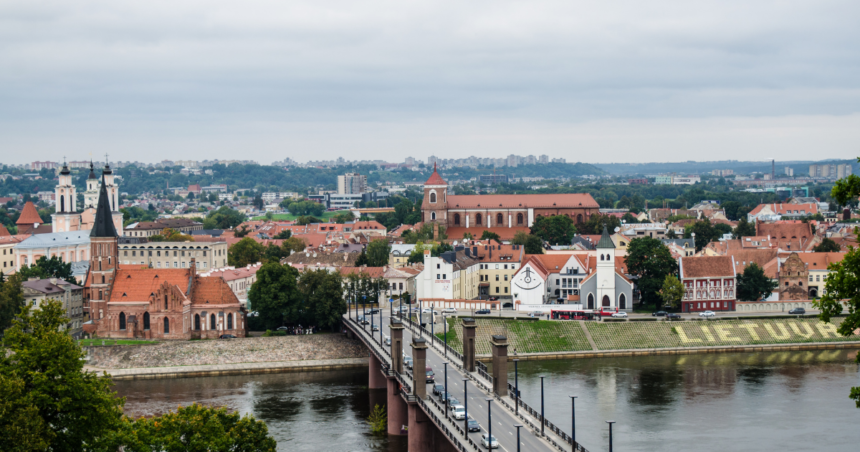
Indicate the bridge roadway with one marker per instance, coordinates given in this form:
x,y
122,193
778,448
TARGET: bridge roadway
x,y
479,389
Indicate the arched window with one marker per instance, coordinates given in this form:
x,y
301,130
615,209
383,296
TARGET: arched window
x,y
478,219
500,220
229,321
165,301
590,301
166,325
601,257
103,279
433,197
62,203
197,322
122,320
622,301
606,301
146,321
800,283
579,218
212,322
432,215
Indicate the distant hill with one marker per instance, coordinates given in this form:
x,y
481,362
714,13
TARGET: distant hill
x,y
800,167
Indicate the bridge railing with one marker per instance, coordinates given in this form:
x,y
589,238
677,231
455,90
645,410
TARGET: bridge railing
x,y
536,414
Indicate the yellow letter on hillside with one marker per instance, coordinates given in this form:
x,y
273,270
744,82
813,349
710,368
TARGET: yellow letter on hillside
x,y
827,328
750,327
785,334
809,331
708,334
684,337
722,331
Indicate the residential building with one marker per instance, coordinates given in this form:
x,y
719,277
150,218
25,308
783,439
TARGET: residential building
x,y
37,166
351,184
150,228
722,173
789,235
399,256
453,275
239,279
497,264
639,181
140,252
686,180
7,251
663,179
492,179
36,291
817,267
775,212
710,283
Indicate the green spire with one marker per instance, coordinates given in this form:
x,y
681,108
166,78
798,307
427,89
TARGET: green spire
x,y
605,241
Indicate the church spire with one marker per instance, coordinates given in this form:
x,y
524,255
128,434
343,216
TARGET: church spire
x,y
103,226
605,240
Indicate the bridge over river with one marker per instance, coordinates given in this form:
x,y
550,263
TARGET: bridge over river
x,y
489,399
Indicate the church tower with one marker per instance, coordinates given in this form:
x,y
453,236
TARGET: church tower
x,y
434,209
91,196
113,196
606,272
65,217
104,256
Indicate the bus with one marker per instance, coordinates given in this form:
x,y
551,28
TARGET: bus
x,y
578,314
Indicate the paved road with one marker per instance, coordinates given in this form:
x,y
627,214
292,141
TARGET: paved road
x,y
503,420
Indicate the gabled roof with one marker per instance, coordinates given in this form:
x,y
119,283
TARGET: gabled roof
x,y
784,209
138,284
373,272
706,266
548,201
211,291
29,215
820,261
435,178
3,231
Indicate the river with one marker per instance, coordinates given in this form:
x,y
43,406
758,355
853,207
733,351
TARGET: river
x,y
714,402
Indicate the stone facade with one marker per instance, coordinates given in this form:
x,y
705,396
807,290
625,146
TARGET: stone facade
x,y
793,275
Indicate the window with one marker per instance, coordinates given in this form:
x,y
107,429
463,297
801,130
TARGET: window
x,y
158,253
506,277
166,326
212,325
444,276
506,266
499,219
438,266
133,253
497,266
818,278
197,322
497,278
230,321
145,320
519,218
432,215
165,301
121,319
176,265
457,219
433,197
506,290
497,290
125,253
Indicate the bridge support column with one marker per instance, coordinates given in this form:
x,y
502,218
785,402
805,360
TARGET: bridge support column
x,y
376,379
419,364
420,430
396,327
469,327
500,365
398,417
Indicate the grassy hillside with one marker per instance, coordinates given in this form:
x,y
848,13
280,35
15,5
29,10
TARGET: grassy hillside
x,y
526,336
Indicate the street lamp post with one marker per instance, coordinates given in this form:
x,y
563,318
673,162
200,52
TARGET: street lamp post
x,y
490,422
541,406
445,330
517,387
466,407
573,422
432,321
610,434
445,401
518,427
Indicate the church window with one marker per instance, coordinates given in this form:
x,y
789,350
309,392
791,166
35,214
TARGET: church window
x,y
622,301
165,301
433,197
457,219
230,321
499,219
212,322
519,218
478,219
601,257
606,301
146,320
432,215
197,322
122,320
166,325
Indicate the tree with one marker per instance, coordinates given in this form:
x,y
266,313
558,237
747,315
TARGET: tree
x,y
190,196
269,216
274,253
671,234
672,291
258,202
827,245
11,299
244,252
223,218
489,235
283,235
648,259
195,428
594,224
440,248
274,295
629,218
293,245
754,285
55,400
305,220
417,254
48,268
556,229
468,236
744,228
362,259
705,233
342,218
533,245
306,208
377,252
171,235
520,238
322,297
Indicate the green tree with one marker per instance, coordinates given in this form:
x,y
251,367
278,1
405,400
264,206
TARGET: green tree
x,y
556,229
489,235
306,208
629,218
283,235
305,220
362,259
342,218
671,234
744,228
274,253
468,236
520,238
11,299
322,297
594,224
533,245
223,218
440,248
244,252
648,259
377,252
417,254
827,245
67,408
274,295
705,233
293,245
754,285
195,428
258,202
171,235
672,292
49,268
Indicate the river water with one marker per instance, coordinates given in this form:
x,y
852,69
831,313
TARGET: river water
x,y
716,402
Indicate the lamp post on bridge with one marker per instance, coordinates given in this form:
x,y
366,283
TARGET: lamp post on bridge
x,y
541,406
518,427
573,422
489,422
432,321
517,387
445,330
445,401
466,407
610,434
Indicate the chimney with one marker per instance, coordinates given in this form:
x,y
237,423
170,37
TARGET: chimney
x,y
193,267
54,281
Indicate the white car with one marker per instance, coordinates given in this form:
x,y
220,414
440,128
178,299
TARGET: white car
x,y
620,314
459,412
707,314
450,310
489,441
427,311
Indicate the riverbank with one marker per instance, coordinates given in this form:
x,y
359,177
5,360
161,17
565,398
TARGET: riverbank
x,y
152,373
560,339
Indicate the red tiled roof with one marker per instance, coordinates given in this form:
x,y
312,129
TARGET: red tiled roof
x,y
547,201
29,215
361,225
706,266
820,261
373,272
782,209
138,284
3,231
435,178
212,291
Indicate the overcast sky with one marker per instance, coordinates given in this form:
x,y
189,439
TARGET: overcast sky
x,y
591,81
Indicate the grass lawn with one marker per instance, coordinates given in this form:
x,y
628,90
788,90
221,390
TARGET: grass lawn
x,y
98,342
291,217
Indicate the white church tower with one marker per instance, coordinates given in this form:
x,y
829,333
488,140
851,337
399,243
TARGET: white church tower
x,y
91,196
606,273
113,197
65,217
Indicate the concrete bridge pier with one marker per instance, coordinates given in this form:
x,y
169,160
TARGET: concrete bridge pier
x,y
397,412
420,430
376,379
500,365
396,327
419,364
469,327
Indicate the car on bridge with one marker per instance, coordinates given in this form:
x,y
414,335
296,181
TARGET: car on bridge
x,y
797,311
459,412
407,361
438,389
474,426
619,314
450,310
443,396
387,340
489,441
431,377
373,311
659,314
483,312
452,401
374,327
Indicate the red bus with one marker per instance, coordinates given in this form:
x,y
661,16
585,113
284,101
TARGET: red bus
x,y
578,314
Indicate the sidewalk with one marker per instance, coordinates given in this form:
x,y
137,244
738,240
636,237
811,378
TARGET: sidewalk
x,y
148,373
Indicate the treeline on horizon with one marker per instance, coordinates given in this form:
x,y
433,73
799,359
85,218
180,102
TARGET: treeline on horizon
x,y
801,168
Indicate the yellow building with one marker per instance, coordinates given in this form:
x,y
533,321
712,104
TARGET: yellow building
x,y
497,266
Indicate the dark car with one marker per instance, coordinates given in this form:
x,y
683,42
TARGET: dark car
x,y
659,314
373,311
283,328
227,336
438,389
482,311
431,377
474,426
443,396
673,316
452,401
798,311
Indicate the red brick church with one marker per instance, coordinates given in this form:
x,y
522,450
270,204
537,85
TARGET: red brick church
x,y
502,214
128,301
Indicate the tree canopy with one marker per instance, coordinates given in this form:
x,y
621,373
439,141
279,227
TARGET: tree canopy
x,y
223,218
744,228
322,301
244,252
753,284
594,224
672,292
306,208
377,252
827,245
556,229
274,295
489,235
45,268
648,259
